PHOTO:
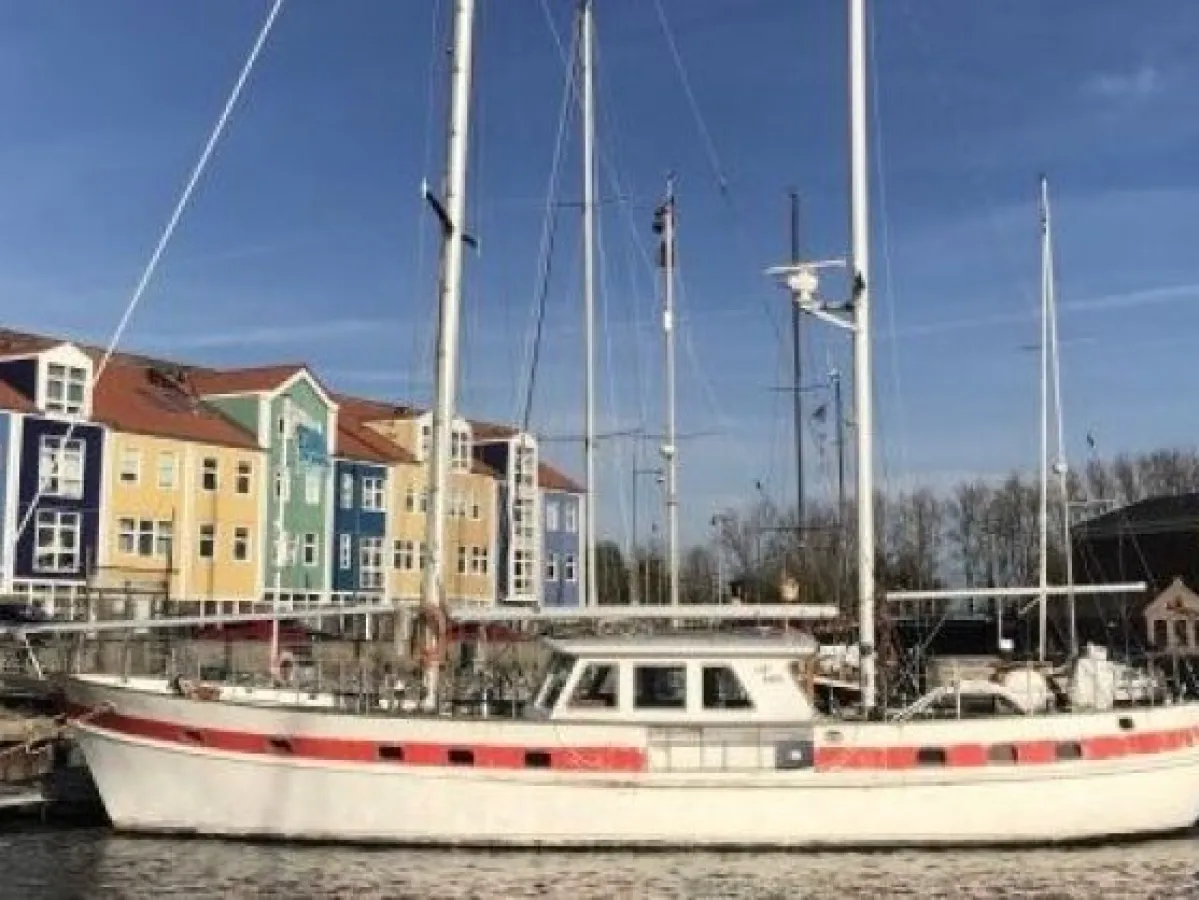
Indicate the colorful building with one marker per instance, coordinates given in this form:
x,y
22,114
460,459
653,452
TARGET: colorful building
x,y
363,473
470,506
295,420
52,471
562,510
512,455
184,495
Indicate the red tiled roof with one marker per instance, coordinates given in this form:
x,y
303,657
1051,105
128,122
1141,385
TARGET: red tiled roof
x,y
13,400
243,381
550,478
373,410
355,441
15,343
149,400
492,430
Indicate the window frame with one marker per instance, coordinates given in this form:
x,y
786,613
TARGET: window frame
x,y
244,476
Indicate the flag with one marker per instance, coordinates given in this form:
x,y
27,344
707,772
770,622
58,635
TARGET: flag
x,y
1090,440
820,413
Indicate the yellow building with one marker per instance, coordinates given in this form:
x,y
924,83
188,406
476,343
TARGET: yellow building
x,y
183,495
470,528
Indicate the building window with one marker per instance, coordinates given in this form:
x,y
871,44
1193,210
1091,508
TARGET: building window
x,y
426,441
312,487
347,491
164,541
207,547
551,515
1182,633
551,567
58,533
522,572
245,475
345,551
131,466
65,388
145,538
310,549
126,535
241,544
526,462
282,487
166,471
404,556
372,493
522,518
478,560
1160,633
571,516
60,467
476,508
410,498
570,568
208,474
370,563
461,560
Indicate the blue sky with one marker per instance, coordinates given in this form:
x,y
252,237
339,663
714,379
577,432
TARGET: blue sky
x,y
307,239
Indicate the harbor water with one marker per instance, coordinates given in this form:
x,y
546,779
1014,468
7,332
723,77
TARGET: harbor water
x,y
88,864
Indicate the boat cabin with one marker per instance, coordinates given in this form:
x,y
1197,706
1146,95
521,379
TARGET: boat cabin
x,y
692,678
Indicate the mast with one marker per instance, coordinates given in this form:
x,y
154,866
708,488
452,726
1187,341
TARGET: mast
x,y
863,401
587,74
1060,466
797,376
453,214
283,475
1043,510
665,223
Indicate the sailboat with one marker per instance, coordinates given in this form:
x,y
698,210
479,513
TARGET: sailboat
x,y
660,741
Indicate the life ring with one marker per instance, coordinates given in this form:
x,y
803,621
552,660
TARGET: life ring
x,y
429,636
283,668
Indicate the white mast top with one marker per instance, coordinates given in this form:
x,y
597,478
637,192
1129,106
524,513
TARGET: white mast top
x,y
1043,509
454,207
587,73
859,226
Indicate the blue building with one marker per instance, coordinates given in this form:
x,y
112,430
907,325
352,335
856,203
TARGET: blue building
x,y
53,472
561,515
360,486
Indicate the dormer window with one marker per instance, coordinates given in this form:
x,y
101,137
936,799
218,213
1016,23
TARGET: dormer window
x,y
66,389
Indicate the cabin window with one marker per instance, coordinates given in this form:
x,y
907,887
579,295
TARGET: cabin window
x,y
390,753
1067,750
660,687
597,687
555,679
460,756
723,689
1003,754
930,756
537,759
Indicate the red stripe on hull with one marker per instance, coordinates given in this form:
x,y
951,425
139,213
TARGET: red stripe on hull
x,y
414,753
1014,753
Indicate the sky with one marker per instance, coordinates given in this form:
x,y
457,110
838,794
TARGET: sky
x,y
307,239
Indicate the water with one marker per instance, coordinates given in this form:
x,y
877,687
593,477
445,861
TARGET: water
x,y
86,864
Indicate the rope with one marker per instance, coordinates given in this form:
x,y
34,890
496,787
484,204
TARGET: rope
x,y
164,239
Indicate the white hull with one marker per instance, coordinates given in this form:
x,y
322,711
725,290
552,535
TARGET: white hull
x,y
156,785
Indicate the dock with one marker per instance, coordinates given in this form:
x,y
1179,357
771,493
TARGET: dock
x,y
20,798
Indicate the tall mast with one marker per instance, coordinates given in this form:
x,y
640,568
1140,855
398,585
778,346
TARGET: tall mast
x,y
797,376
666,224
587,73
1043,511
1060,466
452,210
862,384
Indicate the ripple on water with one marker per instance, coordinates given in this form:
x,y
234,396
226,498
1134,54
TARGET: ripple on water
x,y
92,864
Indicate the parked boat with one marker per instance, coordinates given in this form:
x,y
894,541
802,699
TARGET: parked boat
x,y
714,741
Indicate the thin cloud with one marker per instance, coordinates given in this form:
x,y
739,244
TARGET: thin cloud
x,y
267,335
1106,302
1137,84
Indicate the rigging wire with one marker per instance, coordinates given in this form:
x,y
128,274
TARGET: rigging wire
x,y
549,227
888,291
164,239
